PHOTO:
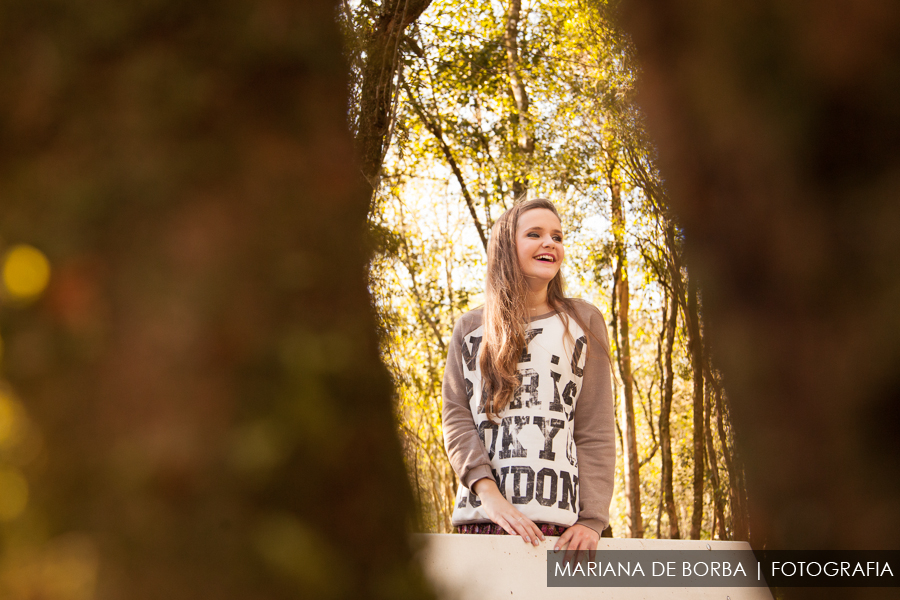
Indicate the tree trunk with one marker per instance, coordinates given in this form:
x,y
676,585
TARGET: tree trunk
x,y
523,124
433,125
740,523
665,437
695,346
632,464
780,149
378,86
718,497
201,377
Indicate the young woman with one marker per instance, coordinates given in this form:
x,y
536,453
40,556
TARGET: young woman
x,y
528,411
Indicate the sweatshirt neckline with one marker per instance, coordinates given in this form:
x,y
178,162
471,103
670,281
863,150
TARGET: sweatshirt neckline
x,y
543,316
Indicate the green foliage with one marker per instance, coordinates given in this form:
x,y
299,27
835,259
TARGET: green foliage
x,y
456,107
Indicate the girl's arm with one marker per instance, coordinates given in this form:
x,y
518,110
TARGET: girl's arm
x,y
594,431
466,452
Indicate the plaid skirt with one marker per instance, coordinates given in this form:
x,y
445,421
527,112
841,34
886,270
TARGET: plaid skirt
x,y
494,529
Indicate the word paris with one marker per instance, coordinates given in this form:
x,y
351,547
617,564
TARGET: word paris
x,y
657,569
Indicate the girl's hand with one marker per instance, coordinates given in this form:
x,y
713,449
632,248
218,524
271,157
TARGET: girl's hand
x,y
501,512
577,538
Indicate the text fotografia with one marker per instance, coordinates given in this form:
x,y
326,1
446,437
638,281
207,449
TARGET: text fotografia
x,y
832,568
724,568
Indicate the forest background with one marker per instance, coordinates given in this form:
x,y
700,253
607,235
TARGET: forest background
x,y
185,279
462,109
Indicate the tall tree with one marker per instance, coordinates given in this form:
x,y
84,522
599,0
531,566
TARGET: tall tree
x,y
713,470
379,60
695,348
740,519
665,437
623,348
523,126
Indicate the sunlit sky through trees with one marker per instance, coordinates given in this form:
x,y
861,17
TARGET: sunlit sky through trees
x,y
480,114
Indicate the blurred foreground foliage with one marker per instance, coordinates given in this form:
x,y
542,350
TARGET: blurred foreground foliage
x,y
192,403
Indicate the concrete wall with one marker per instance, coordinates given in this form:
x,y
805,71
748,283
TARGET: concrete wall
x,y
470,567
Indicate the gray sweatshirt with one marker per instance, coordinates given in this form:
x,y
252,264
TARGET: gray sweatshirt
x,y
553,452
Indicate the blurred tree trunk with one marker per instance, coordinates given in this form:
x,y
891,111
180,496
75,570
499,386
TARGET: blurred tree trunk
x,y
203,370
778,125
623,345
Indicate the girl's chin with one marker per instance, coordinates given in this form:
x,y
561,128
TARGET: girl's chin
x,y
543,268
541,277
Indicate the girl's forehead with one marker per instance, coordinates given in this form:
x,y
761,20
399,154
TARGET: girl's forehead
x,y
538,217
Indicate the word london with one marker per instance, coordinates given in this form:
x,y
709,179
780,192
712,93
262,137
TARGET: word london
x,y
657,569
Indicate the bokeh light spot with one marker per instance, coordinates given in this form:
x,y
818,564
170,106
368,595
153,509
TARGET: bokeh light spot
x,y
26,272
7,417
13,494
70,565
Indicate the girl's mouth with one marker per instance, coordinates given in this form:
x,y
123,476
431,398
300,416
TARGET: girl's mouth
x,y
546,258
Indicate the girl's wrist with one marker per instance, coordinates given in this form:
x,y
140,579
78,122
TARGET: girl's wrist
x,y
485,487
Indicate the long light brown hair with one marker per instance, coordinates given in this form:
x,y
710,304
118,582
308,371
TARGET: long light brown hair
x,y
505,309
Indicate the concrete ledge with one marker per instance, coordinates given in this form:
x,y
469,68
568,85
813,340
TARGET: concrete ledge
x,y
477,567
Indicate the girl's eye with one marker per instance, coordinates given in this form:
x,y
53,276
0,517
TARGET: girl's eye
x,y
532,234
557,238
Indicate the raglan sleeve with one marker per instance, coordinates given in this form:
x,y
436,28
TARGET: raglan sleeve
x,y
595,438
467,454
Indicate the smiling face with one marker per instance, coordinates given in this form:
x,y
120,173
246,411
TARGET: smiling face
x,y
539,246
